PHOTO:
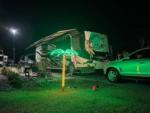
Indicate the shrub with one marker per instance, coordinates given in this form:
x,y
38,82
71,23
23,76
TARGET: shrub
x,y
42,74
14,79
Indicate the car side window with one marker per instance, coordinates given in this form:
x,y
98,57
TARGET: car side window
x,y
136,55
133,56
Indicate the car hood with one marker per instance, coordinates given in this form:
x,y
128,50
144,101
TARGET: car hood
x,y
114,62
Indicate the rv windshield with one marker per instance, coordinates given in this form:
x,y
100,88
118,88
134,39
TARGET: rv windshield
x,y
101,55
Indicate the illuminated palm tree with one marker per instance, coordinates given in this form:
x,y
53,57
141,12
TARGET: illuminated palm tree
x,y
63,54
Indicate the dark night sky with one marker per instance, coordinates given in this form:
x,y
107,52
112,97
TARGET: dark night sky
x,y
124,23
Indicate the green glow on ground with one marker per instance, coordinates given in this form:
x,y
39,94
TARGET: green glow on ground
x,y
108,98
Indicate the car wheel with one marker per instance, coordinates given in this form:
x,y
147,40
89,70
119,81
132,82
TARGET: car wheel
x,y
113,75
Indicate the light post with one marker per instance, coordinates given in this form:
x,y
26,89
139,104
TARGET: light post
x,y
14,32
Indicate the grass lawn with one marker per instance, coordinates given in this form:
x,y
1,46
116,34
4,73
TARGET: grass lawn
x,y
108,98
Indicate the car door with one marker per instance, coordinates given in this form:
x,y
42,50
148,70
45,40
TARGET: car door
x,y
132,66
145,68
129,67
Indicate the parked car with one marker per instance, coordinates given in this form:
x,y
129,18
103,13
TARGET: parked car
x,y
136,64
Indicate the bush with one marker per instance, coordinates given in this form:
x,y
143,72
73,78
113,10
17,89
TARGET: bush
x,y
14,79
42,74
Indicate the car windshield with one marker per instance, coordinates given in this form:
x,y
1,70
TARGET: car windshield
x,y
145,53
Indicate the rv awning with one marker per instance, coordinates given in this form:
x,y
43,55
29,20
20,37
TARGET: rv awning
x,y
53,36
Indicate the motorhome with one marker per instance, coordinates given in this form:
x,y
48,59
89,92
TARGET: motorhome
x,y
92,49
